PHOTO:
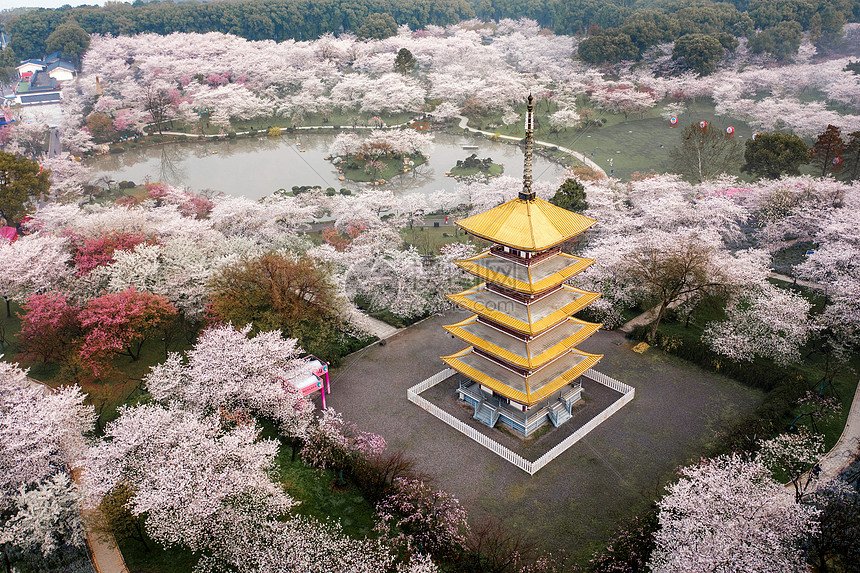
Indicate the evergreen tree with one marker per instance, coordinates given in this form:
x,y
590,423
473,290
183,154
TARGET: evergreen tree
x,y
700,52
770,155
20,179
570,196
70,39
404,62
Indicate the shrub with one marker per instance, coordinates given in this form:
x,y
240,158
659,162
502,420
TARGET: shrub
x,y
375,475
424,520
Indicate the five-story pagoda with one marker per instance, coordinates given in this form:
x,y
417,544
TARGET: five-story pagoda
x,y
522,365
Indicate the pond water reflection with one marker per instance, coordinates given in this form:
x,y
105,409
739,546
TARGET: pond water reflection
x,y
255,167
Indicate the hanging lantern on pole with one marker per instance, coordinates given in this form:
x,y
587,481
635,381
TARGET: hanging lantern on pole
x,y
730,131
836,161
754,135
673,121
703,125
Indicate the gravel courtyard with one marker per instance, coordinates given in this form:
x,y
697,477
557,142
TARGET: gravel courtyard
x,y
573,502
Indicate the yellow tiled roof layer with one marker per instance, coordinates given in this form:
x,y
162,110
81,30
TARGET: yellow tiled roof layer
x,y
526,394
500,271
532,354
527,322
527,225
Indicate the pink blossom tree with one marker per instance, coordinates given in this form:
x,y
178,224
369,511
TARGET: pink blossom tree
x,y
332,442
791,455
118,323
41,432
419,519
769,322
188,473
95,252
49,326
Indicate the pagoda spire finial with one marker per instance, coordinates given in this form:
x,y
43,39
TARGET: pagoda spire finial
x,y
528,194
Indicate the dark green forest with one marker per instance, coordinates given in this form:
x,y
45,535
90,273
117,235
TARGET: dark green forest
x,y
616,29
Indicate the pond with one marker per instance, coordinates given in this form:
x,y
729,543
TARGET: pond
x,y
255,167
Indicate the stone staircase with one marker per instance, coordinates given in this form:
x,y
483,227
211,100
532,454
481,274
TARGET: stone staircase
x,y
558,414
486,413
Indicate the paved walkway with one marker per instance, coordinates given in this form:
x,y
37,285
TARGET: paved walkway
x,y
105,554
379,329
464,124
795,280
848,444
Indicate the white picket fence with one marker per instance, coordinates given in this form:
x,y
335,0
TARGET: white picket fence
x,y
627,394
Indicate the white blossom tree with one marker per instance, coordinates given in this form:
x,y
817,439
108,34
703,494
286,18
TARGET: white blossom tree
x,y
227,371
769,322
187,471
727,514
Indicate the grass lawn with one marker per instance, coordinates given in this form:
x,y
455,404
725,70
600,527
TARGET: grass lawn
x,y
428,239
157,559
633,144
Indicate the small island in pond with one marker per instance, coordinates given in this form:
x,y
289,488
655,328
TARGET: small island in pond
x,y
378,158
474,167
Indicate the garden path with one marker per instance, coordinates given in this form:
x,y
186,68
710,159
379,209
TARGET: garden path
x,y
379,329
464,124
104,551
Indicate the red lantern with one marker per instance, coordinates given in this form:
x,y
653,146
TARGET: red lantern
x,y
673,121
754,135
730,130
703,125
837,160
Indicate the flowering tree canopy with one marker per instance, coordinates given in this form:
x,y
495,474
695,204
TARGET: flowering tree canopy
x,y
229,371
728,514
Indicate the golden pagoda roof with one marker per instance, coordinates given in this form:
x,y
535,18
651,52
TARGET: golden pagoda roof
x,y
532,318
528,278
529,389
529,354
532,225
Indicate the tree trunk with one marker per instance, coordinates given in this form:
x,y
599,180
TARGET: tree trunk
x,y
8,308
657,320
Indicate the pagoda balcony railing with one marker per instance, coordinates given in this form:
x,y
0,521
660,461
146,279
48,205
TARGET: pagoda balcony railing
x,y
500,252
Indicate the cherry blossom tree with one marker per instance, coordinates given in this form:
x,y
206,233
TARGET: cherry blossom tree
x,y
118,323
34,264
332,442
41,437
49,326
298,544
42,432
728,514
228,371
224,471
420,519
769,322
792,455
47,527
